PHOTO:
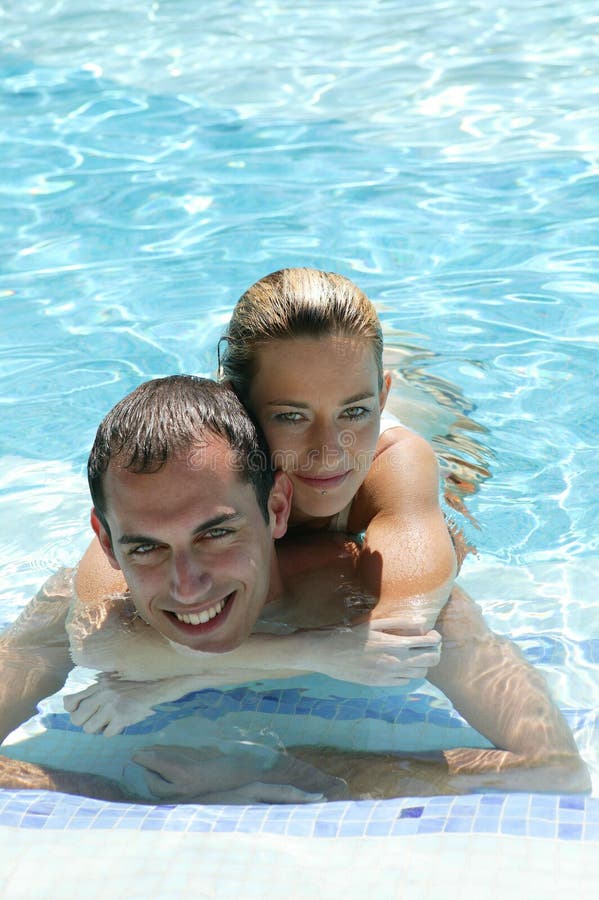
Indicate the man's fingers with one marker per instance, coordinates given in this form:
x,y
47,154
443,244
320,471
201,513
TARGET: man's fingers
x,y
84,711
159,762
261,792
115,726
96,723
390,626
158,786
72,701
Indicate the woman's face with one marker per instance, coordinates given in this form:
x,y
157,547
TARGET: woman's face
x,y
318,402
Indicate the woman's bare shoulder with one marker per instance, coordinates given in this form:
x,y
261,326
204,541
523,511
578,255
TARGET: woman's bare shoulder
x,y
401,442
404,470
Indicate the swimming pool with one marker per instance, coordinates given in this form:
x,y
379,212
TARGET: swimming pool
x,y
159,158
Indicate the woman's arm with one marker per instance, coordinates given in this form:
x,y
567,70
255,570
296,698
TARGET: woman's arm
x,y
407,558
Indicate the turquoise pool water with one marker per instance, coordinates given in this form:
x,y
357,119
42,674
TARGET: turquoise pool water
x,y
158,158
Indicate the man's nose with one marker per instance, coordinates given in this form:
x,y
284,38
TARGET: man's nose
x,y
190,579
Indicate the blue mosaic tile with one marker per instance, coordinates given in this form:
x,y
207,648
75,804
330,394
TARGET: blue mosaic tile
x,y
32,822
151,825
300,829
543,808
516,804
567,832
566,816
458,825
378,829
485,825
543,816
386,812
492,799
431,826
351,829
406,826
12,819
464,809
411,812
277,828
513,826
592,809
539,828
325,829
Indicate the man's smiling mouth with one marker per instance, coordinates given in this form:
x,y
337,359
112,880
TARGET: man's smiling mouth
x,y
206,615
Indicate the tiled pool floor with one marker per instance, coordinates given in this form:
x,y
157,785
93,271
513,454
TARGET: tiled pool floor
x,y
173,865
480,845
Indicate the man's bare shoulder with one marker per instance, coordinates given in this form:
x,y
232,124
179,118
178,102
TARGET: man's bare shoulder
x,y
95,579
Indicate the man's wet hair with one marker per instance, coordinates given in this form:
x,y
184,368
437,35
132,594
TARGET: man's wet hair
x,y
169,418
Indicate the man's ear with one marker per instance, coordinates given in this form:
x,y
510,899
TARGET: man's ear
x,y
384,393
104,538
279,504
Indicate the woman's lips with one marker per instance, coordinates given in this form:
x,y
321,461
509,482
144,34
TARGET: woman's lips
x,y
321,482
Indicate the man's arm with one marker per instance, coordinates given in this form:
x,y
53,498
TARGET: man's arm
x,y
506,700
502,697
407,558
321,591
26,776
34,656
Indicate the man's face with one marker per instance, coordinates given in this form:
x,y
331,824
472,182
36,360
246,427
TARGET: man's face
x,y
193,546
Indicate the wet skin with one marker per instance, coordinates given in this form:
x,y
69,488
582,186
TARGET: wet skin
x,y
320,412
194,547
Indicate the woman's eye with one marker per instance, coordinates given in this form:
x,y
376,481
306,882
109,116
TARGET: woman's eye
x,y
356,412
289,417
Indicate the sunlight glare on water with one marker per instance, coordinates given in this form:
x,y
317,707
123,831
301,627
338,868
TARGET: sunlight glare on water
x,y
158,158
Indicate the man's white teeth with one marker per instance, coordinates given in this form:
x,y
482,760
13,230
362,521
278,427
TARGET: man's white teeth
x,y
203,617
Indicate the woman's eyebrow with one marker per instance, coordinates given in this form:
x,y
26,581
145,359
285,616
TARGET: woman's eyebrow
x,y
363,395
283,402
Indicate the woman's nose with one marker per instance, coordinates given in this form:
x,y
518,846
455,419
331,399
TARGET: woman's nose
x,y
327,440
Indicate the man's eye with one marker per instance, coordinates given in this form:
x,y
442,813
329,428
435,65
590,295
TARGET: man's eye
x,y
143,550
217,533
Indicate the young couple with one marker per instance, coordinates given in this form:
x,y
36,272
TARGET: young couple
x,y
187,510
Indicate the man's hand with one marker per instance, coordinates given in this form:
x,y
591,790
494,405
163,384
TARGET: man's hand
x,y
366,654
111,703
235,772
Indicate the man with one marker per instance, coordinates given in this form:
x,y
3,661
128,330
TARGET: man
x,y
184,509
222,507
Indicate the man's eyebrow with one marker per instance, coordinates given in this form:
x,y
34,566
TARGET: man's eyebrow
x,y
218,520
363,395
137,539
205,526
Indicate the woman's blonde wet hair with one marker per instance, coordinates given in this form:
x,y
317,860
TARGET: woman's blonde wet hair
x,y
294,303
